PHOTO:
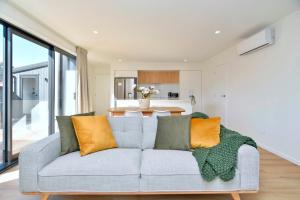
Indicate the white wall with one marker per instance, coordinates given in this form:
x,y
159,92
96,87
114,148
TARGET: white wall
x,y
99,85
18,18
263,90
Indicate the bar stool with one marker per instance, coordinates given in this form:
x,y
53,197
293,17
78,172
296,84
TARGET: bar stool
x,y
132,113
161,113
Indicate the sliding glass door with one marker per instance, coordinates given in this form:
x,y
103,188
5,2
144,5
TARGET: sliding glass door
x,y
2,153
65,84
30,91
37,82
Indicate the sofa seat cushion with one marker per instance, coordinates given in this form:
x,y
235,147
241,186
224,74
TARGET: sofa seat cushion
x,y
173,170
168,162
107,162
108,170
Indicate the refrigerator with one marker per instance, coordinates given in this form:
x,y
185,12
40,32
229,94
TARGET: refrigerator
x,y
124,88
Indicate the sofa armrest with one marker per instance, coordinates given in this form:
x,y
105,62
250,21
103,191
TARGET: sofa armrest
x,y
33,158
248,166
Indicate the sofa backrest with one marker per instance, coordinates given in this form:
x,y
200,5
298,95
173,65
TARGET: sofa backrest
x,y
134,132
128,131
149,132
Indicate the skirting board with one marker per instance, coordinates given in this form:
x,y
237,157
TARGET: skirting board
x,y
282,155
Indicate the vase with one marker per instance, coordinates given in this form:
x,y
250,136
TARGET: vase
x,y
144,103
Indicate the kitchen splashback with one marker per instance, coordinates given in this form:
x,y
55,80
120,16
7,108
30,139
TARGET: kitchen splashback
x,y
164,89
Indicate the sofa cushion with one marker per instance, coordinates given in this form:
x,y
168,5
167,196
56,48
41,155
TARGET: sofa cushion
x,y
68,137
93,133
168,162
107,170
127,131
205,132
149,132
173,170
107,162
199,115
173,132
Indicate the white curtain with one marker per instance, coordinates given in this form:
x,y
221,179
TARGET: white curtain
x,y
83,97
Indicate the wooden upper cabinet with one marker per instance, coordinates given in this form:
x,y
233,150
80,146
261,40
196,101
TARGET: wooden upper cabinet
x,y
152,77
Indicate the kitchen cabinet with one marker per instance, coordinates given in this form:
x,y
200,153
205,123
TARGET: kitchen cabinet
x,y
125,73
154,77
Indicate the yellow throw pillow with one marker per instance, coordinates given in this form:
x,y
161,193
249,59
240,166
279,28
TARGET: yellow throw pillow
x,y
205,132
93,133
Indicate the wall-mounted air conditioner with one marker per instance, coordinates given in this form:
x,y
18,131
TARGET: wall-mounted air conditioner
x,y
257,41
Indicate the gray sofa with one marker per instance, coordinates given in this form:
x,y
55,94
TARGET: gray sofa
x,y
133,168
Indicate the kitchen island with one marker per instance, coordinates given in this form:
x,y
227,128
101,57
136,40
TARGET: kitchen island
x,y
120,111
184,104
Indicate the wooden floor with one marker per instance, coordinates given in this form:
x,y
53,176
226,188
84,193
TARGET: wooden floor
x,y
279,180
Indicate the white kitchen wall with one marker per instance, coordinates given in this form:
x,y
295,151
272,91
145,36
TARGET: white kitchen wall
x,y
123,67
263,90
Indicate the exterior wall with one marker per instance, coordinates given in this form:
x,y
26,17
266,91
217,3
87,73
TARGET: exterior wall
x,y
43,84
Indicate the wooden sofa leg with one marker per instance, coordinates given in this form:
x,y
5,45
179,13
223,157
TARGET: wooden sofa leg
x,y
44,196
235,196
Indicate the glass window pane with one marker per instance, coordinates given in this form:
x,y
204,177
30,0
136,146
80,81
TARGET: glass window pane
x,y
30,92
27,53
69,85
65,85
1,91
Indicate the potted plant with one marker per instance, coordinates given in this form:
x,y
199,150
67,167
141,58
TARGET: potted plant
x,y
146,93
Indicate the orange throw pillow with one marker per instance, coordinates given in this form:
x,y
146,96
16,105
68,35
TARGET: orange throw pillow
x,y
93,133
205,132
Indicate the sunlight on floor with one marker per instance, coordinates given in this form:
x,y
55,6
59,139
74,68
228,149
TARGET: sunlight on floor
x,y
9,176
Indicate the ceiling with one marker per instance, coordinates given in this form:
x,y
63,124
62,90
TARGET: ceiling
x,y
155,30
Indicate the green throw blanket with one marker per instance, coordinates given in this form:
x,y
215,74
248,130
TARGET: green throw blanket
x,y
221,159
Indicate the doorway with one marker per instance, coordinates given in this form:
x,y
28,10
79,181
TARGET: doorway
x,y
29,90
217,93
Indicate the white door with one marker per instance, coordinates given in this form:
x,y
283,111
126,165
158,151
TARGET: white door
x,y
102,93
191,87
29,92
218,90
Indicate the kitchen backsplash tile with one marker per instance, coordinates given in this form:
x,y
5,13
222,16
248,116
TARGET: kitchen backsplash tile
x,y
164,89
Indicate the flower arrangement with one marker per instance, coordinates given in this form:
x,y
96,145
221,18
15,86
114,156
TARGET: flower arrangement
x,y
146,92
